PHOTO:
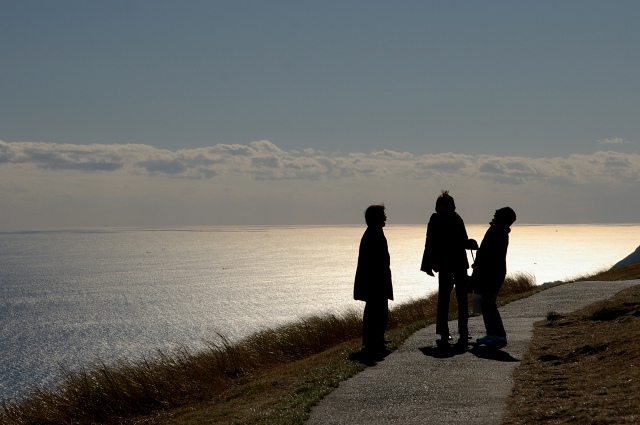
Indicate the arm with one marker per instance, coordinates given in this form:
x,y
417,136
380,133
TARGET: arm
x,y
491,257
428,255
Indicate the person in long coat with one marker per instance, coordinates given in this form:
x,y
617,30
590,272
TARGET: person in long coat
x,y
373,283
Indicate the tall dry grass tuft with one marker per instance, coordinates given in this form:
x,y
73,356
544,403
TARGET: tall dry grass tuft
x,y
413,311
301,339
126,389
518,283
106,393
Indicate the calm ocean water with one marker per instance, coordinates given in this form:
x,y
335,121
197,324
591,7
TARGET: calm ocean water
x,y
71,298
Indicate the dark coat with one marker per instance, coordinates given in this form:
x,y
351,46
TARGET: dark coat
x,y
373,275
490,267
445,245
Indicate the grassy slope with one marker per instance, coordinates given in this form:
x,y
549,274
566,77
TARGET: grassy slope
x,y
628,272
275,379
583,367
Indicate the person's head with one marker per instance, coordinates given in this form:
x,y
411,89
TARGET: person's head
x,y
375,216
504,216
445,203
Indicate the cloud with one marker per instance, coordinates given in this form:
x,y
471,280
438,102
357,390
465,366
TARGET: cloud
x,y
173,166
392,154
613,141
240,150
263,160
64,184
513,171
62,157
444,163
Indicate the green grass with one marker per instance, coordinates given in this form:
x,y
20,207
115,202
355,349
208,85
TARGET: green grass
x,y
274,376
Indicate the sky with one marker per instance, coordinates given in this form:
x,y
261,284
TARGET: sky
x,y
172,113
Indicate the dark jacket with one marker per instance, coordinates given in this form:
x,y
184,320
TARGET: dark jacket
x,y
490,267
445,245
373,275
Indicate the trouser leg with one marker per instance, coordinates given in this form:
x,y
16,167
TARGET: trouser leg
x,y
445,285
463,305
367,324
491,315
384,320
374,323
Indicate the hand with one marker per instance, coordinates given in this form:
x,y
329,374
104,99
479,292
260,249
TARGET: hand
x,y
428,271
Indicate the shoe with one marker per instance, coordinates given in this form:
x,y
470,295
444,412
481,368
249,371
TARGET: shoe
x,y
492,340
499,341
443,343
462,342
483,340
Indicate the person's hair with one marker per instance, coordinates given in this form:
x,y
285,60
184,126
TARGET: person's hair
x,y
445,200
373,214
506,215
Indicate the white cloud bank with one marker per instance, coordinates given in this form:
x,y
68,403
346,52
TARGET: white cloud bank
x,y
46,184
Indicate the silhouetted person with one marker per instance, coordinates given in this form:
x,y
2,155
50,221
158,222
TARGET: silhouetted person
x,y
489,271
373,280
444,253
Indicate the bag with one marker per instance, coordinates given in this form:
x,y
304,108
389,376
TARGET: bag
x,y
475,297
471,282
476,303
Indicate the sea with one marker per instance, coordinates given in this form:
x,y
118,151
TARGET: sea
x,y
72,298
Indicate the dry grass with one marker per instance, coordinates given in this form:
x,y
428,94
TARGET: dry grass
x,y
111,394
627,272
583,367
273,377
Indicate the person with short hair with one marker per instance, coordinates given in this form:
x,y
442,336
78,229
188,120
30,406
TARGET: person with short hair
x,y
373,281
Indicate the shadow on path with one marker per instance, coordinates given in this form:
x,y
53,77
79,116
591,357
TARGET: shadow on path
x,y
480,351
369,358
444,351
484,352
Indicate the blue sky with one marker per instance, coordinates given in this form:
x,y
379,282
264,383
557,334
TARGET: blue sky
x,y
496,99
